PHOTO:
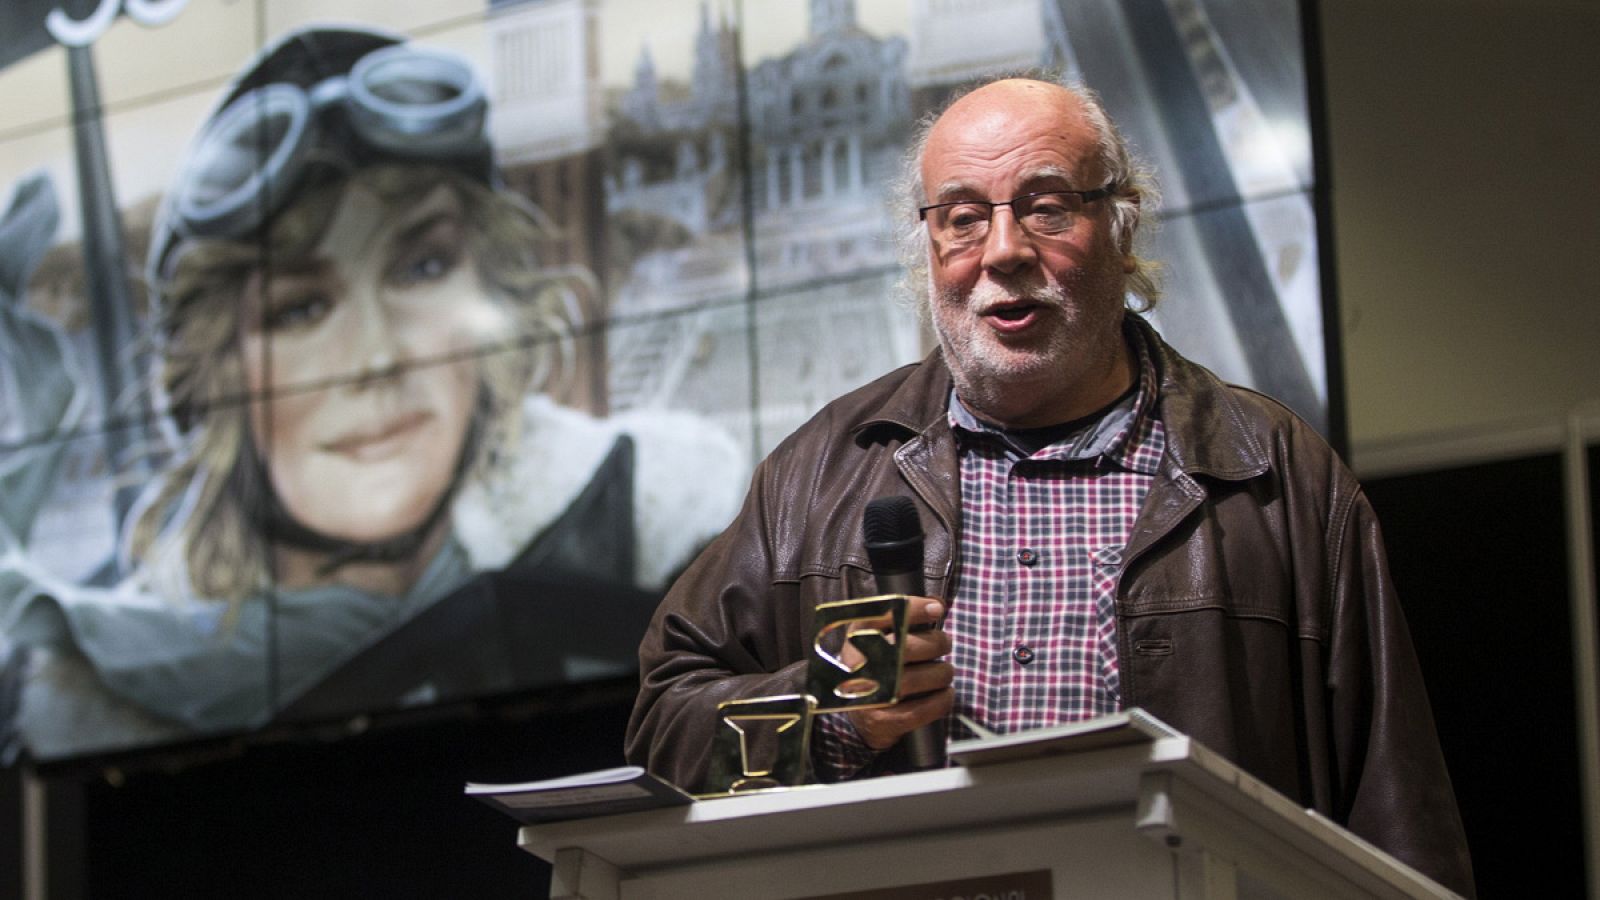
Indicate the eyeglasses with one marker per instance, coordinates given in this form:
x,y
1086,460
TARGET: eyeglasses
x,y
397,102
964,223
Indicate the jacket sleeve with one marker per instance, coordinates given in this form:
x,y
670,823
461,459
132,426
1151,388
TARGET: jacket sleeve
x,y
1393,788
729,628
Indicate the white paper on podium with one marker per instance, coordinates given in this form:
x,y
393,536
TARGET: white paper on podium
x,y
1132,726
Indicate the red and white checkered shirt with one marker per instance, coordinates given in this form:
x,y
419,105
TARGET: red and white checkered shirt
x,y
1032,613
1032,616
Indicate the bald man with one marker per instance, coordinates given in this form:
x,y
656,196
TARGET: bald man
x,y
1108,524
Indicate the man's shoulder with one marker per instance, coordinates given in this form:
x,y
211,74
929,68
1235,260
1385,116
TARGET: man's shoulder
x,y
1264,412
1216,419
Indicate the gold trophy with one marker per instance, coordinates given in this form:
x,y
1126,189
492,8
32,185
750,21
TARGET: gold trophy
x,y
764,743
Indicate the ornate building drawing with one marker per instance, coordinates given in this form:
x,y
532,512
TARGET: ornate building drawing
x,y
670,141
546,78
953,41
548,127
827,121
824,115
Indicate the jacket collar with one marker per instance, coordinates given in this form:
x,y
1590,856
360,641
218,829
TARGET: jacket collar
x,y
1205,423
917,403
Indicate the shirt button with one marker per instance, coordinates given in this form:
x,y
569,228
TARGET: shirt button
x,y
1022,654
1027,557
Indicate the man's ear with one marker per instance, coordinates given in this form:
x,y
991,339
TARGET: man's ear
x,y
1129,261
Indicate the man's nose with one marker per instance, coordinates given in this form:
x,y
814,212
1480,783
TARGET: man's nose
x,y
1007,247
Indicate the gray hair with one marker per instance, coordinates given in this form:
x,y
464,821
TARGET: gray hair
x,y
1135,194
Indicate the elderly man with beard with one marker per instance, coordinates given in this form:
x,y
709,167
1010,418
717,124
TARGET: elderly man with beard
x,y
1108,524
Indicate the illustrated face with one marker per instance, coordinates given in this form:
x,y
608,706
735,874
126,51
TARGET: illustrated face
x,y
1023,314
360,350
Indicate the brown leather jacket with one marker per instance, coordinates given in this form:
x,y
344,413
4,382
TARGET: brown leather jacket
x,y
1255,610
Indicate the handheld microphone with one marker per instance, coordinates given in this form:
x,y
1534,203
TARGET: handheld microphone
x,y
894,546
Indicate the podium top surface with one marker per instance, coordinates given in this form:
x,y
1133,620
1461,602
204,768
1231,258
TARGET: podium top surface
x,y
1101,770
942,799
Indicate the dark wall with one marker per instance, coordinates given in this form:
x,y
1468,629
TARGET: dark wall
x,y
1480,560
380,814
10,832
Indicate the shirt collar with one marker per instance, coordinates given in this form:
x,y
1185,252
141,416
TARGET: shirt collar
x,y
1112,435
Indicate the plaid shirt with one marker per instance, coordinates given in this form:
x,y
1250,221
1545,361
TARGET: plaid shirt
x,y
1032,615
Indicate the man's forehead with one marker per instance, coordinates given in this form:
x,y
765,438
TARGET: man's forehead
x,y
1025,126
1041,160
1013,101
1041,178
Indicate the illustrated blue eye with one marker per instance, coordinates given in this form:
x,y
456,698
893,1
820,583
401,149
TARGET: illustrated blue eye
x,y
430,254
297,312
429,268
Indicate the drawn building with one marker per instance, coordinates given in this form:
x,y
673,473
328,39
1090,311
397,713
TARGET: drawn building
x,y
828,117
548,128
826,123
953,41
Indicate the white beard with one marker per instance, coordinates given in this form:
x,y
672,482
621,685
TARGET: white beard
x,y
1075,343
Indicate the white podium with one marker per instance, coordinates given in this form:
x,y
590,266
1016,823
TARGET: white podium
x,y
1116,808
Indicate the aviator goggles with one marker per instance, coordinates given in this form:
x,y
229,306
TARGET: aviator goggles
x,y
397,102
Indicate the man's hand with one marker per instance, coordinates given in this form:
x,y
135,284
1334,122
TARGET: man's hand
x,y
926,690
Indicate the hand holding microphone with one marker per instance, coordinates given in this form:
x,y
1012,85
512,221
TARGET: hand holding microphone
x,y
893,536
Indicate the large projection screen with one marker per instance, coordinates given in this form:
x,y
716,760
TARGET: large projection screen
x,y
360,356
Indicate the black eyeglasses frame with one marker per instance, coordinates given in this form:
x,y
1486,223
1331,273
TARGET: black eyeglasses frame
x,y
1083,197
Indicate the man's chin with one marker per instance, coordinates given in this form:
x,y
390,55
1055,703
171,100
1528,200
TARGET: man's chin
x,y
1011,376
1019,359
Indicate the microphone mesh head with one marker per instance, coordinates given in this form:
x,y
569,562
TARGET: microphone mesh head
x,y
889,520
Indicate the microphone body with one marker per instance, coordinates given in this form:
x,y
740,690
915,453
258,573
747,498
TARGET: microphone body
x,y
894,546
